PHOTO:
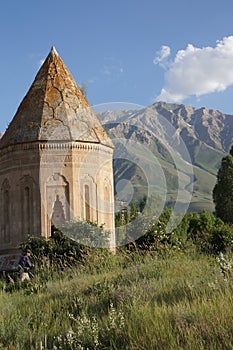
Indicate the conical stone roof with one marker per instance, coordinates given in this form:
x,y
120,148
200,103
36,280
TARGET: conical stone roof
x,y
54,109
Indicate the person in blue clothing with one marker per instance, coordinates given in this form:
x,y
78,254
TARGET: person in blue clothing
x,y
25,265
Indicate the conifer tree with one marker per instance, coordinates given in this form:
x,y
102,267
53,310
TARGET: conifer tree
x,y
223,190
133,210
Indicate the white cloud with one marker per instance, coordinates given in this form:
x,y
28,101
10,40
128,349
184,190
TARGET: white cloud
x,y
196,71
161,56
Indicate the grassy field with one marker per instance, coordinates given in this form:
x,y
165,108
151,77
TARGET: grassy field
x,y
127,301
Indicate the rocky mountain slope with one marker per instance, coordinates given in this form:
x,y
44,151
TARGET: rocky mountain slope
x,y
187,143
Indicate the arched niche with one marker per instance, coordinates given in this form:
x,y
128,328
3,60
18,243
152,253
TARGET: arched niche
x,y
89,208
57,200
5,211
27,203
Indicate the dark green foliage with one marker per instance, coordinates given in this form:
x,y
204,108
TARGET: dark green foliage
x,y
204,232
133,210
223,190
67,247
58,252
142,204
118,219
126,229
209,234
231,151
157,237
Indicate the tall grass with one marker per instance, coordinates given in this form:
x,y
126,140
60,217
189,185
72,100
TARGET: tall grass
x,y
127,301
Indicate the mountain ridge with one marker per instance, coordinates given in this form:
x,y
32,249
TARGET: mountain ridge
x,y
210,126
201,137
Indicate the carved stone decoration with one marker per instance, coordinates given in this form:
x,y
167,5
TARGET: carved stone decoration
x,y
58,216
57,200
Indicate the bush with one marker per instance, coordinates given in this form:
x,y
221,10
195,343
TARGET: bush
x,y
206,233
210,234
57,252
86,233
158,238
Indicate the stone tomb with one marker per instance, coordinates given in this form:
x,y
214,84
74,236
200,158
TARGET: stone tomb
x,y
55,161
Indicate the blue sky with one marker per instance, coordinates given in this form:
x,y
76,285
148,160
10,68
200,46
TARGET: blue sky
x,y
124,51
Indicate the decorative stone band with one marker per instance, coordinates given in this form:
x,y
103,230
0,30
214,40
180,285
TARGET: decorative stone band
x,y
46,145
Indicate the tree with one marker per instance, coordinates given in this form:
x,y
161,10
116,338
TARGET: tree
x,y
209,234
223,190
86,233
142,203
133,210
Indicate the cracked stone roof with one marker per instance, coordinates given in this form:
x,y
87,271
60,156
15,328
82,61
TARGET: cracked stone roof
x,y
55,109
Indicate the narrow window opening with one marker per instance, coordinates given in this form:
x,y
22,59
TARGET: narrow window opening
x,y
87,203
6,210
26,210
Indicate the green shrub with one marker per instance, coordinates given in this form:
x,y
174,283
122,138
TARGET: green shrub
x,y
157,237
206,233
210,234
86,233
57,252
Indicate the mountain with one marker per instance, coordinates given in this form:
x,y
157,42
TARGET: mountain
x,y
170,149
